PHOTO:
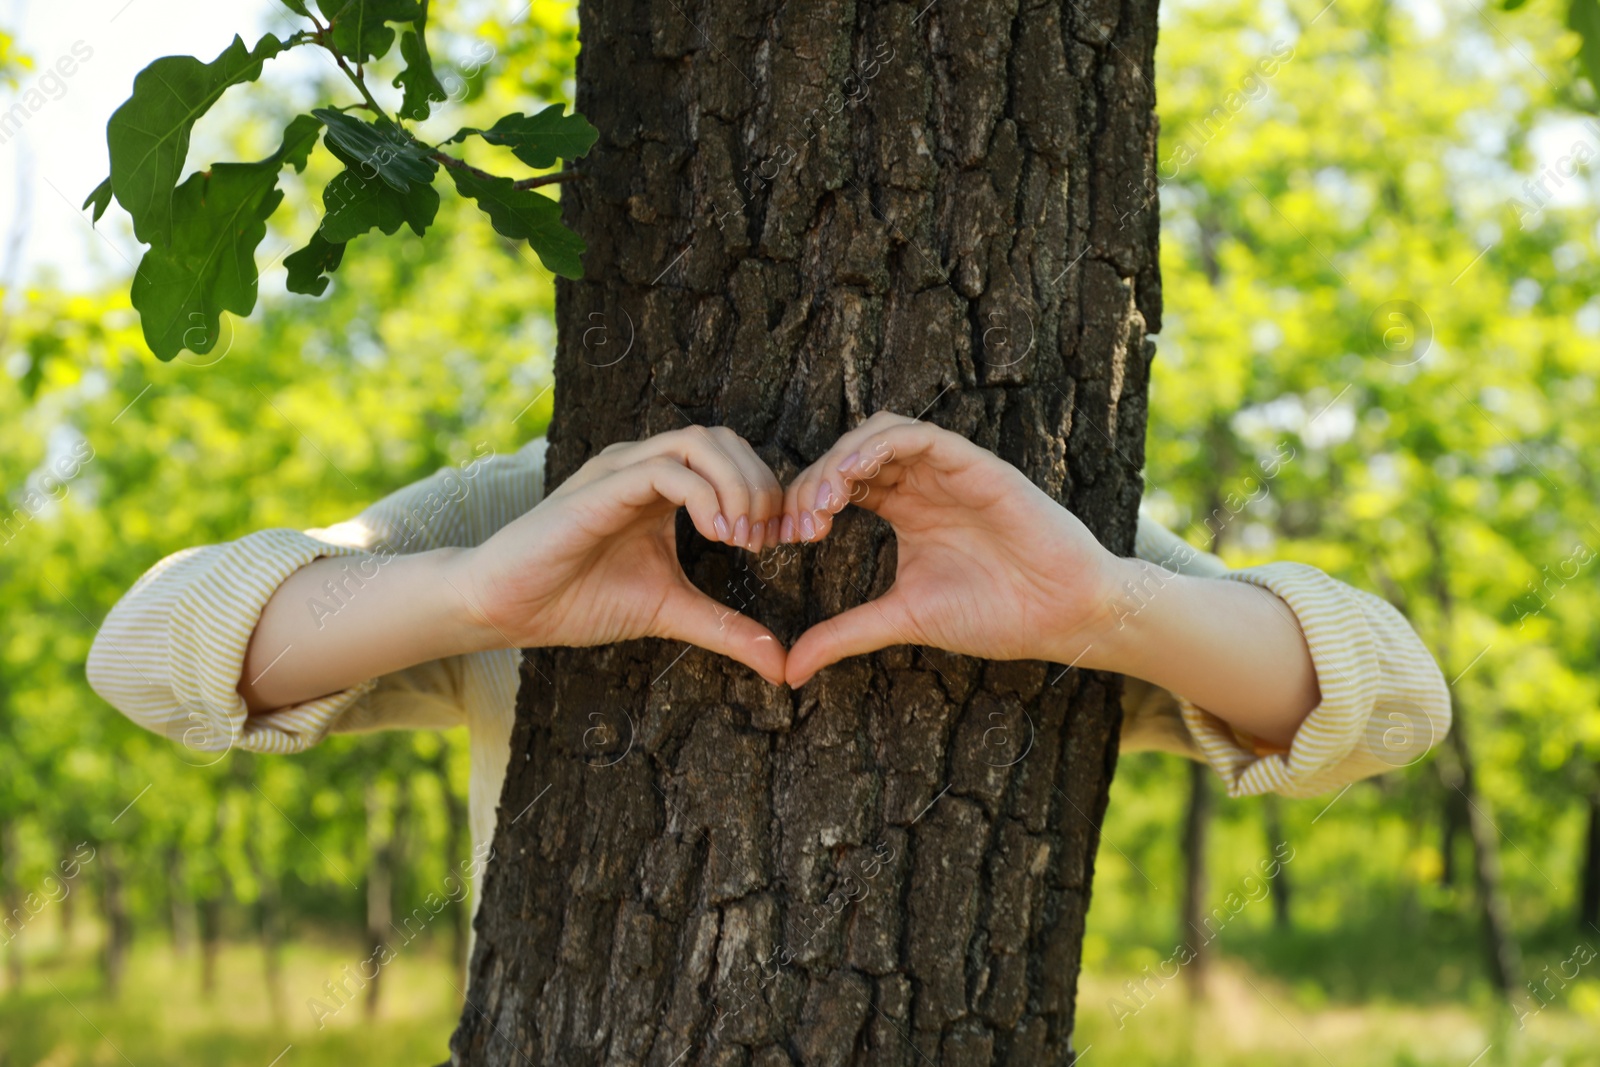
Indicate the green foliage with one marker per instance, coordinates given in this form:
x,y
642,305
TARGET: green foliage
x,y
360,29
208,264
539,140
524,215
1583,17
204,231
419,81
148,136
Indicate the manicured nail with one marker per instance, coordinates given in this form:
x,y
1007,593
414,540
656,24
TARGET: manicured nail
x,y
849,461
754,544
787,529
741,530
807,527
720,525
824,496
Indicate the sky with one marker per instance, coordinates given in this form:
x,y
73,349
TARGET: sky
x,y
48,169
60,155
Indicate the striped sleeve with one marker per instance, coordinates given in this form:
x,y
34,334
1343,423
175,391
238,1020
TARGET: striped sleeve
x,y
1384,702
170,653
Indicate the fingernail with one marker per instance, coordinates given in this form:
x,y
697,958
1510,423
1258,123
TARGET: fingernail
x,y
849,461
807,527
720,525
741,530
787,529
754,544
824,495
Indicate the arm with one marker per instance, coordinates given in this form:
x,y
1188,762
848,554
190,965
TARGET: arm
x,y
1277,657
390,615
246,644
595,562
1235,649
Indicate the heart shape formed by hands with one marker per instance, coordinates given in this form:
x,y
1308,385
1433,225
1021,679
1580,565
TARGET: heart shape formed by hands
x,y
988,564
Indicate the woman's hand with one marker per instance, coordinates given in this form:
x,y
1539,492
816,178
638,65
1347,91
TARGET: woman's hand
x,y
596,561
992,567
989,565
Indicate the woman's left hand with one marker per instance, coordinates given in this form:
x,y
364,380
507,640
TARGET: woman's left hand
x,y
989,566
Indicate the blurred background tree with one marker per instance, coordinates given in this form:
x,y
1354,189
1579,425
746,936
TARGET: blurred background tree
x,y
1380,357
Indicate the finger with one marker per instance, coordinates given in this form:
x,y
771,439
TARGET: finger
x,y
766,495
868,463
694,448
876,624
658,484
821,490
687,614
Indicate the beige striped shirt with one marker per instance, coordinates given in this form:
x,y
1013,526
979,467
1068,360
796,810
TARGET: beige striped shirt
x,y
170,653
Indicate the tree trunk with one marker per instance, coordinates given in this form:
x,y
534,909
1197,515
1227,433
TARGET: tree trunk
x,y
15,916
1457,772
1195,883
114,909
798,215
210,944
1272,819
269,915
1453,819
209,906
456,828
181,904
1589,881
384,841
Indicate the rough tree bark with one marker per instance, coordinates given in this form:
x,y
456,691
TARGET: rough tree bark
x,y
797,215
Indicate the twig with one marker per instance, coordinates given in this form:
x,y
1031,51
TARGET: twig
x,y
527,183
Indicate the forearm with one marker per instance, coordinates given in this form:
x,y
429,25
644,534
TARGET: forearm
x,y
341,620
1234,649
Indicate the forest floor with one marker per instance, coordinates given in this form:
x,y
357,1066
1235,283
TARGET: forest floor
x,y
63,1018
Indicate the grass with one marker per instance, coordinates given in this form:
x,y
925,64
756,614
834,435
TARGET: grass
x,y
1266,1004
62,1016
1251,1020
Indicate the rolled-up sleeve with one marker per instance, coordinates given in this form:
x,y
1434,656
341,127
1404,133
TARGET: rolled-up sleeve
x,y
170,653
1384,701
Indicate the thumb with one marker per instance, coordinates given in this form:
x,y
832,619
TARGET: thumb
x,y
689,615
867,628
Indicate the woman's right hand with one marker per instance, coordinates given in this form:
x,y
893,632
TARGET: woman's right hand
x,y
596,561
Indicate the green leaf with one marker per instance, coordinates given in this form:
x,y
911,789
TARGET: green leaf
x,y
309,267
100,198
297,6
522,214
420,83
148,136
299,138
539,140
219,216
359,26
383,151
355,202
1583,18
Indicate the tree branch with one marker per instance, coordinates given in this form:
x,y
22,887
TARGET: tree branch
x,y
527,183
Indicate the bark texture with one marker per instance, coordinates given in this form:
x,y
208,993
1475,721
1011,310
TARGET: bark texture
x,y
797,215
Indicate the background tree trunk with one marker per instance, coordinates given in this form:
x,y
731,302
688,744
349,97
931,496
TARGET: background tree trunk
x,y
1457,772
385,839
798,215
1272,822
1589,878
114,911
1192,909
13,916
